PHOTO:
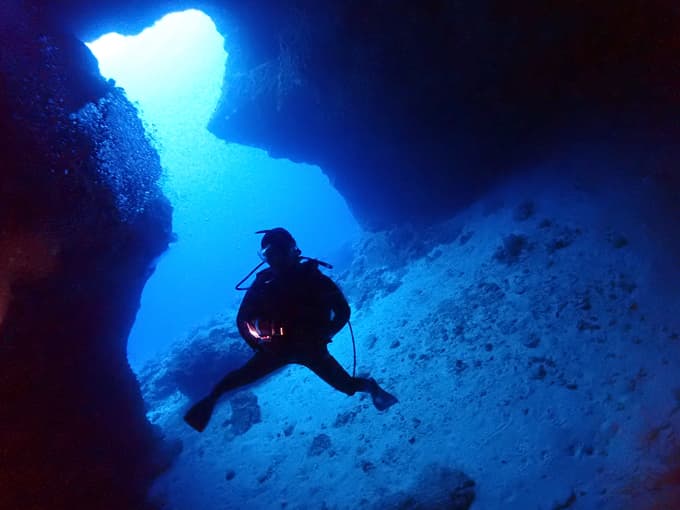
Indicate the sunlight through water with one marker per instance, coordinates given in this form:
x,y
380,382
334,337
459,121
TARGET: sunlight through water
x,y
221,193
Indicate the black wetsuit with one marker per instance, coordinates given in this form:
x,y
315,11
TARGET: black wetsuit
x,y
304,308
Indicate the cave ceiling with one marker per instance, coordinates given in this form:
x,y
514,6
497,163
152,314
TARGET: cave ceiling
x,y
412,108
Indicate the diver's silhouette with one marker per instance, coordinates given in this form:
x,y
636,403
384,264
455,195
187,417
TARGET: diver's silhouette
x,y
289,315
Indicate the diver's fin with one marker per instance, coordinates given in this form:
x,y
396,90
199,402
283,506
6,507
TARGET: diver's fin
x,y
381,399
199,415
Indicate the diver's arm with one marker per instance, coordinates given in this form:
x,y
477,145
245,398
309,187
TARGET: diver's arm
x,y
337,304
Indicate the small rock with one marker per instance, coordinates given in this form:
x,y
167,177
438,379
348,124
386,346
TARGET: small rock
x,y
584,302
266,476
372,340
539,373
564,239
245,412
532,341
344,418
524,211
584,325
320,444
367,466
465,238
567,503
618,241
461,366
513,247
435,255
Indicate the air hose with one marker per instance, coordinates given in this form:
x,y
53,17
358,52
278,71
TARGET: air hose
x,y
354,350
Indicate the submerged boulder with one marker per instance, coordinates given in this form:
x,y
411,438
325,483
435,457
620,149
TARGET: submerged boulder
x,y
195,365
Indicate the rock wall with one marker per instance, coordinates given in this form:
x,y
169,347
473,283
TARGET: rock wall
x,y
81,221
412,108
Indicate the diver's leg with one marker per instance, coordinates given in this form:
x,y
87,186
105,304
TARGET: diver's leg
x,y
257,367
327,368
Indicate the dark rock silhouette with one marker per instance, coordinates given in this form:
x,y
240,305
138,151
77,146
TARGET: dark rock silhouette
x,y
81,220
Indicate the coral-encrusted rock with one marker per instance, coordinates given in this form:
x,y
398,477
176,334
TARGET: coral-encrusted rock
x,y
194,366
245,412
81,220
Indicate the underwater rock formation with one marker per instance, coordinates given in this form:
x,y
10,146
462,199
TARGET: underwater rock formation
x,y
412,108
194,366
81,222
245,412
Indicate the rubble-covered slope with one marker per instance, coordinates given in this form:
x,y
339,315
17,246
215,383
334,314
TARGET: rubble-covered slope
x,y
532,343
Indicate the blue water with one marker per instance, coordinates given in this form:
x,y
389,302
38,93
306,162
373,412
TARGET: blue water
x,y
221,193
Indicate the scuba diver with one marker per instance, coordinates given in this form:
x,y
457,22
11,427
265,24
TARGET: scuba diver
x,y
289,315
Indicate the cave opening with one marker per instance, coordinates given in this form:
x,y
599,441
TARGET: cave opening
x,y
221,193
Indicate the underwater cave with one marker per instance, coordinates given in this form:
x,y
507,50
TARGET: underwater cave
x,y
497,187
